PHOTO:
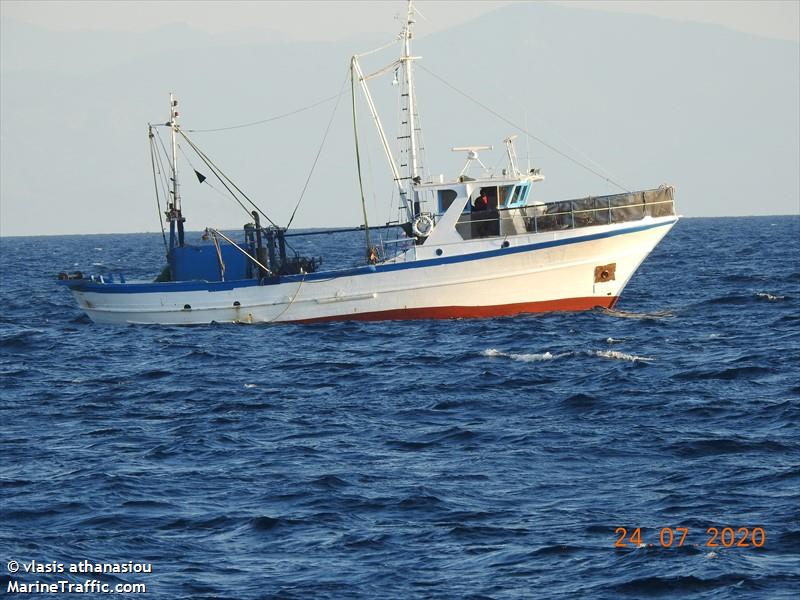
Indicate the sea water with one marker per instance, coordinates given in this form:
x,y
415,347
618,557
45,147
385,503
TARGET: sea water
x,y
543,456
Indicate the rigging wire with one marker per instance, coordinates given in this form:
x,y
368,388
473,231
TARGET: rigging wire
x,y
219,174
523,130
319,151
275,118
208,183
162,171
165,177
358,156
563,142
372,187
230,191
155,185
213,170
384,47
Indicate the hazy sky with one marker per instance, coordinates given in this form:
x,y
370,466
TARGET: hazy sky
x,y
334,19
81,79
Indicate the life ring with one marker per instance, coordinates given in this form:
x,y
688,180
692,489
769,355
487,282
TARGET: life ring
x,y
422,226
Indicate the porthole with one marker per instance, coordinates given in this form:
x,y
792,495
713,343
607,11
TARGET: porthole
x,y
236,303
187,307
506,244
438,252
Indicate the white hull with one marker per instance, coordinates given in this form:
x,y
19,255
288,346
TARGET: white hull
x,y
533,273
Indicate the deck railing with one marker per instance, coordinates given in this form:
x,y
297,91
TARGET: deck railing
x,y
568,214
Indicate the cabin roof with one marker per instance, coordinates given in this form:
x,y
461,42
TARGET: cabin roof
x,y
480,181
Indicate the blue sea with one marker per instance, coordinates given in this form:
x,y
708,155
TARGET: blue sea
x,y
545,456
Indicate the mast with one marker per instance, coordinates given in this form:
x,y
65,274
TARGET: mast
x,y
406,191
176,219
407,59
173,125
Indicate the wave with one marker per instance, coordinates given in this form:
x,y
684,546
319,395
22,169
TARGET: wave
x,y
717,446
580,401
329,482
728,299
615,355
21,339
769,297
657,314
525,357
547,356
727,374
741,299
265,523
679,583
450,435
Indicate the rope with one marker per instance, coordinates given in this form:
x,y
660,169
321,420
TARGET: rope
x,y
523,130
275,118
296,294
319,151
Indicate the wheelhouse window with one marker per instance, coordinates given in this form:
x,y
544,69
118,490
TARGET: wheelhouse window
x,y
519,196
504,194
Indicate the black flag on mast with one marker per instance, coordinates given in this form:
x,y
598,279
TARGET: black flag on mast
x,y
200,177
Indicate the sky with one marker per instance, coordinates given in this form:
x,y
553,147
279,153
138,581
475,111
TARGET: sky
x,y
771,18
69,66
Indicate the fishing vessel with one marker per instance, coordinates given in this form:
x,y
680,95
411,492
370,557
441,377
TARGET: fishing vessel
x,y
474,245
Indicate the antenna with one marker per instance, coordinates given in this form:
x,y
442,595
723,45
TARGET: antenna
x,y
527,143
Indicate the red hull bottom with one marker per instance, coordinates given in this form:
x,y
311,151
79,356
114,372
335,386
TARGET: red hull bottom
x,y
475,312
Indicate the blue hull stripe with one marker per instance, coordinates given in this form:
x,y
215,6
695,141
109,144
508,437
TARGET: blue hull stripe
x,y
221,286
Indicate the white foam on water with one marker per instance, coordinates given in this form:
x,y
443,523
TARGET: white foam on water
x,y
545,356
768,296
532,357
525,357
615,355
612,340
248,386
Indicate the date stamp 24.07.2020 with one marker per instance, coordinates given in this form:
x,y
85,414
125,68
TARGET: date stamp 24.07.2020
x,y
675,537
